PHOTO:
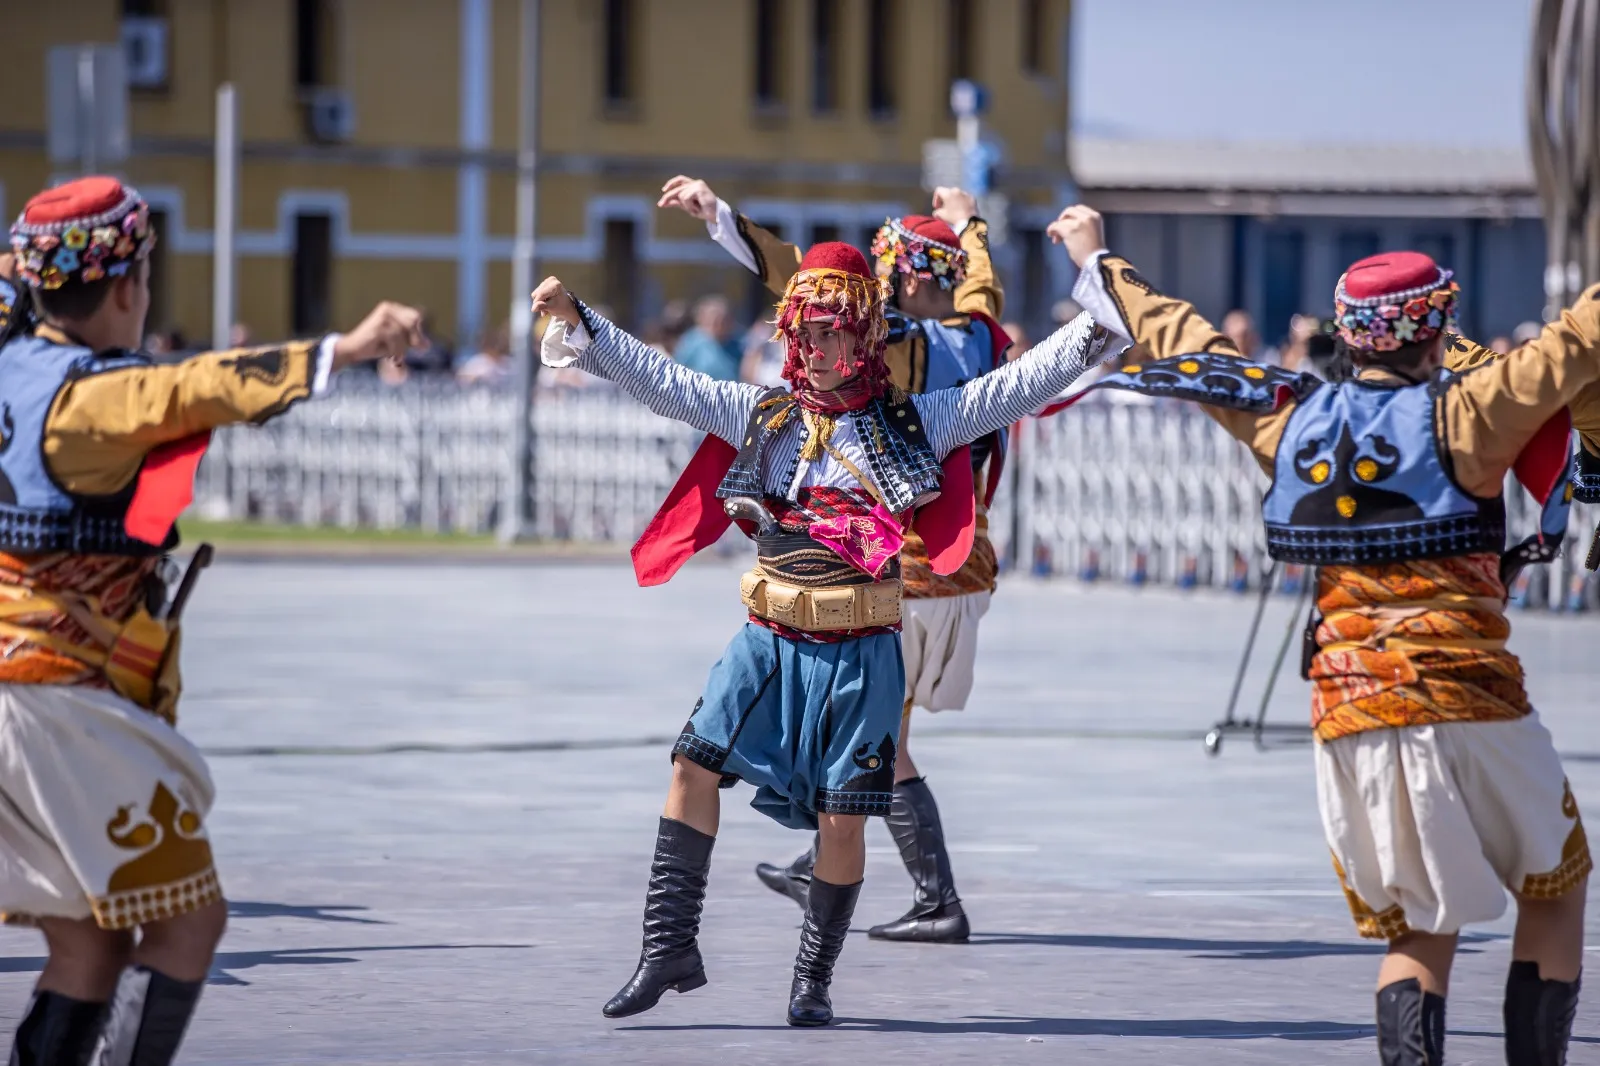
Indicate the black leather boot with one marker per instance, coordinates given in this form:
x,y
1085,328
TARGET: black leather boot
x,y
670,957
935,914
146,1019
1410,1025
791,880
57,1031
1538,1017
828,911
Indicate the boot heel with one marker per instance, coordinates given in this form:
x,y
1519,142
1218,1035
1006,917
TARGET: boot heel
x,y
690,983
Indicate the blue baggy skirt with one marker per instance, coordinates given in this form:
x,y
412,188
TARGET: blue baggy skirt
x,y
812,726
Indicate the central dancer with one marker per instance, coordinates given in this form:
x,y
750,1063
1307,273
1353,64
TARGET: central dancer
x,y
944,306
828,475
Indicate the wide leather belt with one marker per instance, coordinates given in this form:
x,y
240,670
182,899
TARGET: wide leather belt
x,y
819,609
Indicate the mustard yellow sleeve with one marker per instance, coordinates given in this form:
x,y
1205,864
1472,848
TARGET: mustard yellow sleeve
x,y
980,289
776,259
1492,412
1120,298
100,427
1462,354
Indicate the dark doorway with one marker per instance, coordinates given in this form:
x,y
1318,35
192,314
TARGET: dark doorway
x,y
312,280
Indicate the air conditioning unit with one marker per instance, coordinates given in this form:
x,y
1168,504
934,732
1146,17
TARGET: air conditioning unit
x,y
144,46
330,115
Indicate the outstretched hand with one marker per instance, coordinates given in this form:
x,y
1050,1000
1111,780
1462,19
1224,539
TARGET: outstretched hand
x,y
1079,228
552,298
954,207
388,332
690,195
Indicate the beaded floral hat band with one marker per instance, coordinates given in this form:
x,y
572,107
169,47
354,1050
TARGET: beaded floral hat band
x,y
903,249
84,231
1383,303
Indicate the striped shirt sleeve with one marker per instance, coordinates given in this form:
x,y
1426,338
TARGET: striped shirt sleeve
x,y
958,416
665,386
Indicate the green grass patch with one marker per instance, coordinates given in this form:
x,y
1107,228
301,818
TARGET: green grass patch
x,y
195,530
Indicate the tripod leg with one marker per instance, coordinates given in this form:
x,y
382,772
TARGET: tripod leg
x,y
1250,642
1283,653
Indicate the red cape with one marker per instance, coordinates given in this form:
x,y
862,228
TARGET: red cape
x,y
692,518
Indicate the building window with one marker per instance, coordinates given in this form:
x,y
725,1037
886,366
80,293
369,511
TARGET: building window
x,y
619,43
621,277
960,27
315,51
1283,256
824,56
1440,247
1035,37
1353,245
768,54
881,58
825,231
312,280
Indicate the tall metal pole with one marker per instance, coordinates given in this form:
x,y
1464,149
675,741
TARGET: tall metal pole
x,y
88,113
224,250
515,511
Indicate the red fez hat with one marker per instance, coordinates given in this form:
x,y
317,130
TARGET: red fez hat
x,y
77,201
835,255
932,229
1391,274
1393,299
84,230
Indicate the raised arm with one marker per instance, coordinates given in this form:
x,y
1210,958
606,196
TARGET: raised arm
x,y
1492,412
958,416
979,291
1120,299
101,427
583,339
759,251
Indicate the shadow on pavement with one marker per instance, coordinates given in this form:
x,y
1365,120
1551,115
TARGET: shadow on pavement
x,y
1203,949
1180,1028
1170,1028
248,909
226,962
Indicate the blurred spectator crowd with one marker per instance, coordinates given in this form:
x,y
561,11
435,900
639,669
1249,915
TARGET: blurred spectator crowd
x,y
705,336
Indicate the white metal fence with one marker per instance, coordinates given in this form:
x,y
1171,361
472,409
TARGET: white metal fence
x,y
1108,490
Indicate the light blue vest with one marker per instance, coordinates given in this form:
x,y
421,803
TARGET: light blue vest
x,y
1359,478
956,354
36,513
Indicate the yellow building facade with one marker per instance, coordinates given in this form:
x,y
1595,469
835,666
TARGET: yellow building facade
x,y
379,138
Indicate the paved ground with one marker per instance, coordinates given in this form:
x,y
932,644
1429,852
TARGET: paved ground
x,y
439,787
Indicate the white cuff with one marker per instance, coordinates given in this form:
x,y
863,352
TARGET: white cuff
x,y
725,231
1090,293
563,345
323,374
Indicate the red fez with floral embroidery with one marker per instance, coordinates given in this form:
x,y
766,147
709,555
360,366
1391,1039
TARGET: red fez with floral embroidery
x,y
923,246
85,230
1385,301
835,283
